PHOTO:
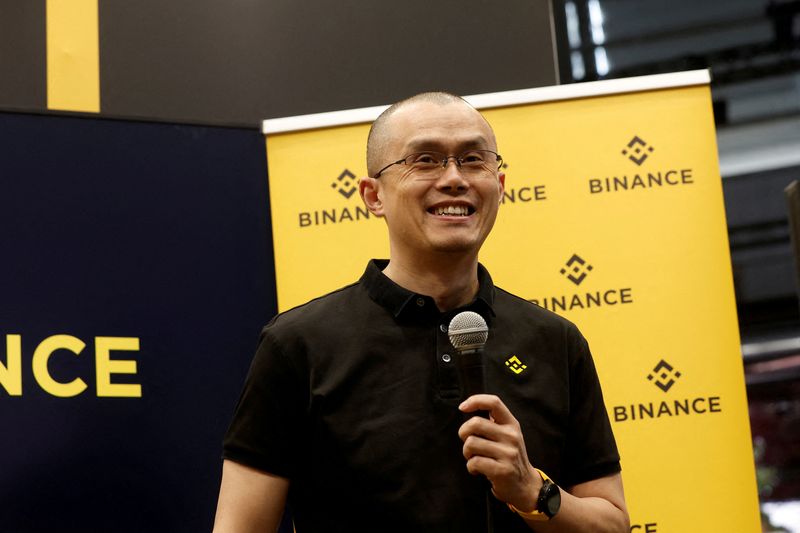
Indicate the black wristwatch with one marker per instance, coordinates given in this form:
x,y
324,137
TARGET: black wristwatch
x,y
548,503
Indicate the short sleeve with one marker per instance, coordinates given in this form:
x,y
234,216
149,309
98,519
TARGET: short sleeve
x,y
266,430
591,448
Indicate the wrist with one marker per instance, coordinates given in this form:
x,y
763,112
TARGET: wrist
x,y
546,499
527,502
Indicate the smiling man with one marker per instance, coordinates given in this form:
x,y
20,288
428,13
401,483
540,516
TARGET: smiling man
x,y
353,407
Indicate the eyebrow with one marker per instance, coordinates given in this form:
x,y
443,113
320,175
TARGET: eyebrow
x,y
436,143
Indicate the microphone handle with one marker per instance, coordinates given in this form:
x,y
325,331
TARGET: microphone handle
x,y
470,367
473,381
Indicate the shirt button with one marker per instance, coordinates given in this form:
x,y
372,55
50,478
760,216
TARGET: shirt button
x,y
420,301
443,328
446,358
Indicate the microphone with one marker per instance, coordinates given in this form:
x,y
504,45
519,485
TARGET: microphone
x,y
468,333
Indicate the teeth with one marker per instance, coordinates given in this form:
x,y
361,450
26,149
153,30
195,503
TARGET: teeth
x,y
453,210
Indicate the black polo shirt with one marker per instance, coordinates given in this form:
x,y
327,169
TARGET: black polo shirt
x,y
354,397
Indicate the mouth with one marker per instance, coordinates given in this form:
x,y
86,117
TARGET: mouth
x,y
451,210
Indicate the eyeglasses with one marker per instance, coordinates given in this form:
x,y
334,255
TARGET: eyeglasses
x,y
430,165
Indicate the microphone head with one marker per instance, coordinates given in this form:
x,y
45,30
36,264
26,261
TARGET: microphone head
x,y
468,331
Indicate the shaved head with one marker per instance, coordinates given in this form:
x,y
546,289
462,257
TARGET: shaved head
x,y
380,133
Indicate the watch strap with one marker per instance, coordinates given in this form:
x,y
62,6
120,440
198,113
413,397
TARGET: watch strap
x,y
535,515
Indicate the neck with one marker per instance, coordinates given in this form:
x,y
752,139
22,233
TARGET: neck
x,y
450,279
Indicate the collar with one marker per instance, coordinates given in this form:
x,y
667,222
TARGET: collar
x,y
402,302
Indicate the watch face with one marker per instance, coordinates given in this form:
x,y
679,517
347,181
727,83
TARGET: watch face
x,y
551,500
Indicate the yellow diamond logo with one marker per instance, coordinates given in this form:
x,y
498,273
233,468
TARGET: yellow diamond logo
x,y
515,365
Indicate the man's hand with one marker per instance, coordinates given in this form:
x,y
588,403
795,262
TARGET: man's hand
x,y
495,448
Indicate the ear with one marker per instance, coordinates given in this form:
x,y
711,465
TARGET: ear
x,y
370,190
501,184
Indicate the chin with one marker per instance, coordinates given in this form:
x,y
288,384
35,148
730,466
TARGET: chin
x,y
455,247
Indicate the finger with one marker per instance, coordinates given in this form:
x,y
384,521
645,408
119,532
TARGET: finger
x,y
480,427
508,434
488,402
499,451
481,466
497,472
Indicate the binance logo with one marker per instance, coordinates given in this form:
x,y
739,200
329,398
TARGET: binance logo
x,y
515,365
576,269
664,376
346,184
637,150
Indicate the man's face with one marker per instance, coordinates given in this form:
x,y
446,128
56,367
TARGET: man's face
x,y
452,213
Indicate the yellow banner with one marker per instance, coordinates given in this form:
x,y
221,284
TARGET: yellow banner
x,y
322,233
73,57
614,218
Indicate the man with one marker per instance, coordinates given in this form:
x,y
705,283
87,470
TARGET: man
x,y
352,407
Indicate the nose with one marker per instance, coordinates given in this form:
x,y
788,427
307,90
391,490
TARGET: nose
x,y
452,177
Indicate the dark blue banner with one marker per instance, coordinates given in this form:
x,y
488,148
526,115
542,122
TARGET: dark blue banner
x,y
136,268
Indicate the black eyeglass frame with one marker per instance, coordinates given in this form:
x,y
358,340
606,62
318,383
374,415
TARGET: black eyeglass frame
x,y
459,159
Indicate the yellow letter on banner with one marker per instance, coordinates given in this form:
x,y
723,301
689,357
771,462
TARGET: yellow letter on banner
x,y
106,366
41,357
11,373
73,58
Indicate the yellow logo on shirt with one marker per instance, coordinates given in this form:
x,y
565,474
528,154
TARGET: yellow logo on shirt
x,y
515,365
